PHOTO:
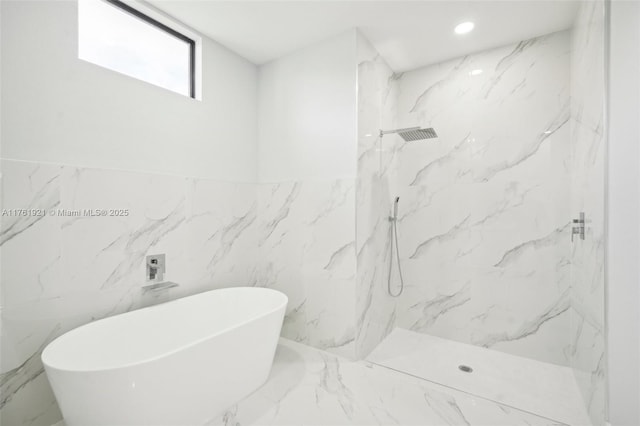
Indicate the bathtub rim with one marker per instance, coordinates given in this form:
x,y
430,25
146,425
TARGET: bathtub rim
x,y
281,305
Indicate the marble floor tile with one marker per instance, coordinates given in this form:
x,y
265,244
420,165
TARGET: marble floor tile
x,y
311,387
308,386
546,389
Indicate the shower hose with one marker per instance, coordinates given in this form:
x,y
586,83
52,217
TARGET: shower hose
x,y
394,238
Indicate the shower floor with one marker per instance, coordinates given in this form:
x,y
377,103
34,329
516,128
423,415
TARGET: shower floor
x,y
540,388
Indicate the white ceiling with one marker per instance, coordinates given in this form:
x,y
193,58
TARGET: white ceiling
x,y
408,34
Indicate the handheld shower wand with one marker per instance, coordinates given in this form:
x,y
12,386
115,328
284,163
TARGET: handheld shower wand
x,y
394,235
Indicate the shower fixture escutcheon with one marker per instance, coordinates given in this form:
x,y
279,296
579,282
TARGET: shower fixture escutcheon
x,y
156,267
578,227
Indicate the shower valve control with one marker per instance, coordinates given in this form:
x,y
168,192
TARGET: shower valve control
x,y
156,267
578,227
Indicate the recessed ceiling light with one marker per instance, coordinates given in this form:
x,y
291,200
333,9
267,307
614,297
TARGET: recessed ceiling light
x,y
475,72
464,27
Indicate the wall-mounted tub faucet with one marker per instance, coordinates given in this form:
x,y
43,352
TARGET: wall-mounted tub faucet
x,y
578,227
155,267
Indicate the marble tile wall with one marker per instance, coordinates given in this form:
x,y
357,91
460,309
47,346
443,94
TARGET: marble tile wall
x,y
306,195
377,96
306,249
59,271
484,208
588,147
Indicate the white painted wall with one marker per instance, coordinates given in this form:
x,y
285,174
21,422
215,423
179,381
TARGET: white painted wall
x,y
623,275
307,113
60,109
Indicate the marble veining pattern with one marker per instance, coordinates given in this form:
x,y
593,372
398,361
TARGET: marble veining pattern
x,y
214,235
83,268
587,307
311,387
377,96
483,229
306,249
484,208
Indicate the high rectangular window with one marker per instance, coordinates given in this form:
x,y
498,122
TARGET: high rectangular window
x,y
116,36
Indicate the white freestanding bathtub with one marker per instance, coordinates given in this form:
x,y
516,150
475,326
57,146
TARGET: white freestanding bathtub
x,y
179,363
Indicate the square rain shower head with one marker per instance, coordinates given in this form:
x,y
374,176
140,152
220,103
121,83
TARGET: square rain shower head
x,y
410,135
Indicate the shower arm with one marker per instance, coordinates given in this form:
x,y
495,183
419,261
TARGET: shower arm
x,y
407,129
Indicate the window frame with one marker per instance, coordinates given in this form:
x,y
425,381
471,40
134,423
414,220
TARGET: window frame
x,y
167,29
